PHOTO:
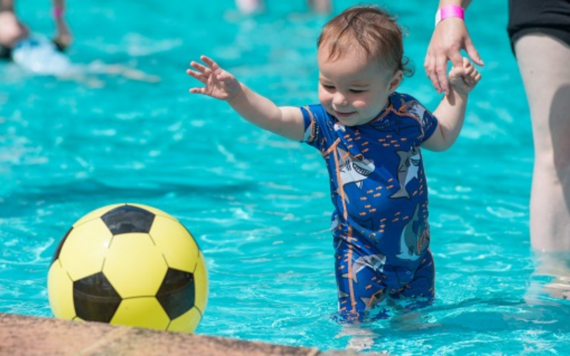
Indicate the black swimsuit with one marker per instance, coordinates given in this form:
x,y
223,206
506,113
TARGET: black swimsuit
x,y
551,17
5,52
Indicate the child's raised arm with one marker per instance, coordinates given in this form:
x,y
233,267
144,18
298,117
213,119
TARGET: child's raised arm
x,y
451,111
286,121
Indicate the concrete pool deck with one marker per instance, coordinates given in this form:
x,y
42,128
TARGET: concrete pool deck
x,y
31,336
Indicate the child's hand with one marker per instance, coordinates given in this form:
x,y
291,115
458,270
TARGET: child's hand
x,y
464,79
219,83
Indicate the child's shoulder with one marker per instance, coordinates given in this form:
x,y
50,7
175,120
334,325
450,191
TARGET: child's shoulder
x,y
316,109
401,100
407,105
315,112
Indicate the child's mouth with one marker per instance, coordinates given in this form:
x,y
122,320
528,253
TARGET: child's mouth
x,y
343,114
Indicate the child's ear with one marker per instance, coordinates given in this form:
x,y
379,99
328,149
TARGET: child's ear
x,y
396,81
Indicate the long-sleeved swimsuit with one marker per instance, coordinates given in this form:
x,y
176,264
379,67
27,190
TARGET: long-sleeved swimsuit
x,y
380,198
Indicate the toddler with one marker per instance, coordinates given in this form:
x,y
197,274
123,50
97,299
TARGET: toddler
x,y
371,137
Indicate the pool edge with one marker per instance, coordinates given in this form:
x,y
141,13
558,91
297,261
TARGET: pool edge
x,y
29,335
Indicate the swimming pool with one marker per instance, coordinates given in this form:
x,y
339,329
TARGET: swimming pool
x,y
258,204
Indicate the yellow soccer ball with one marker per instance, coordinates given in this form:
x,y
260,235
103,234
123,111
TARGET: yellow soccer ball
x,y
129,264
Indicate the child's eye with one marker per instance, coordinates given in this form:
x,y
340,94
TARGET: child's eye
x,y
329,87
356,91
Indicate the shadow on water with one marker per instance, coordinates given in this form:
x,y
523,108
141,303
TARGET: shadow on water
x,y
31,197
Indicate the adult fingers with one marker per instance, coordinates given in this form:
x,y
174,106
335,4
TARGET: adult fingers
x,y
456,58
429,66
472,52
441,73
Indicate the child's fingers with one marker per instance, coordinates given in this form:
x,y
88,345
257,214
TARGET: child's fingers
x,y
198,90
472,75
210,62
199,76
194,73
473,80
200,67
457,72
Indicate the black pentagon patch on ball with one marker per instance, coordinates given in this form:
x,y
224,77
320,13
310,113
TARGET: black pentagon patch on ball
x,y
95,299
177,293
126,218
58,249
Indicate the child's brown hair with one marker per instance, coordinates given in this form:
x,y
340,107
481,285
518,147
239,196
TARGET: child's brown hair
x,y
370,28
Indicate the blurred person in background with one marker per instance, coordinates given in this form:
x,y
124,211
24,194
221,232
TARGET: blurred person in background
x,y
255,6
12,30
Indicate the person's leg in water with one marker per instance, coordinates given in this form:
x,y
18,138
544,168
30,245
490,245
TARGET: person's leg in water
x,y
544,63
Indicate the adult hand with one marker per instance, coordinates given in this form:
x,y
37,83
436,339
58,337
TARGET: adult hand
x,y
11,30
448,39
219,83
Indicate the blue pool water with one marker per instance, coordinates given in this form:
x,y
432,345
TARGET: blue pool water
x,y
258,204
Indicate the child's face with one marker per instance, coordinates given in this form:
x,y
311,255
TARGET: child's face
x,y
353,88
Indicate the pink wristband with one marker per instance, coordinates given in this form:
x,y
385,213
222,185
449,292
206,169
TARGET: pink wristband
x,y
449,11
57,12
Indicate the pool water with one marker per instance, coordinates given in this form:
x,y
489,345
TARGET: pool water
x,y
259,204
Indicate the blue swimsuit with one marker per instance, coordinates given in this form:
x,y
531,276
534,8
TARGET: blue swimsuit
x,y
380,197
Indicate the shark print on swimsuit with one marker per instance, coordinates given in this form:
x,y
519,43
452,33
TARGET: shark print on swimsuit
x,y
379,195
414,238
376,262
407,170
417,110
339,127
352,169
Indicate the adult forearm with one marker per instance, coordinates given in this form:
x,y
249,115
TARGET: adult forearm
x,y
463,3
7,5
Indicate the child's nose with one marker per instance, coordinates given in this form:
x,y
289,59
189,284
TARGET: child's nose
x,y
339,99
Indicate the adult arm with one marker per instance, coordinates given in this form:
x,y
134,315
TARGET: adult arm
x,y
449,38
